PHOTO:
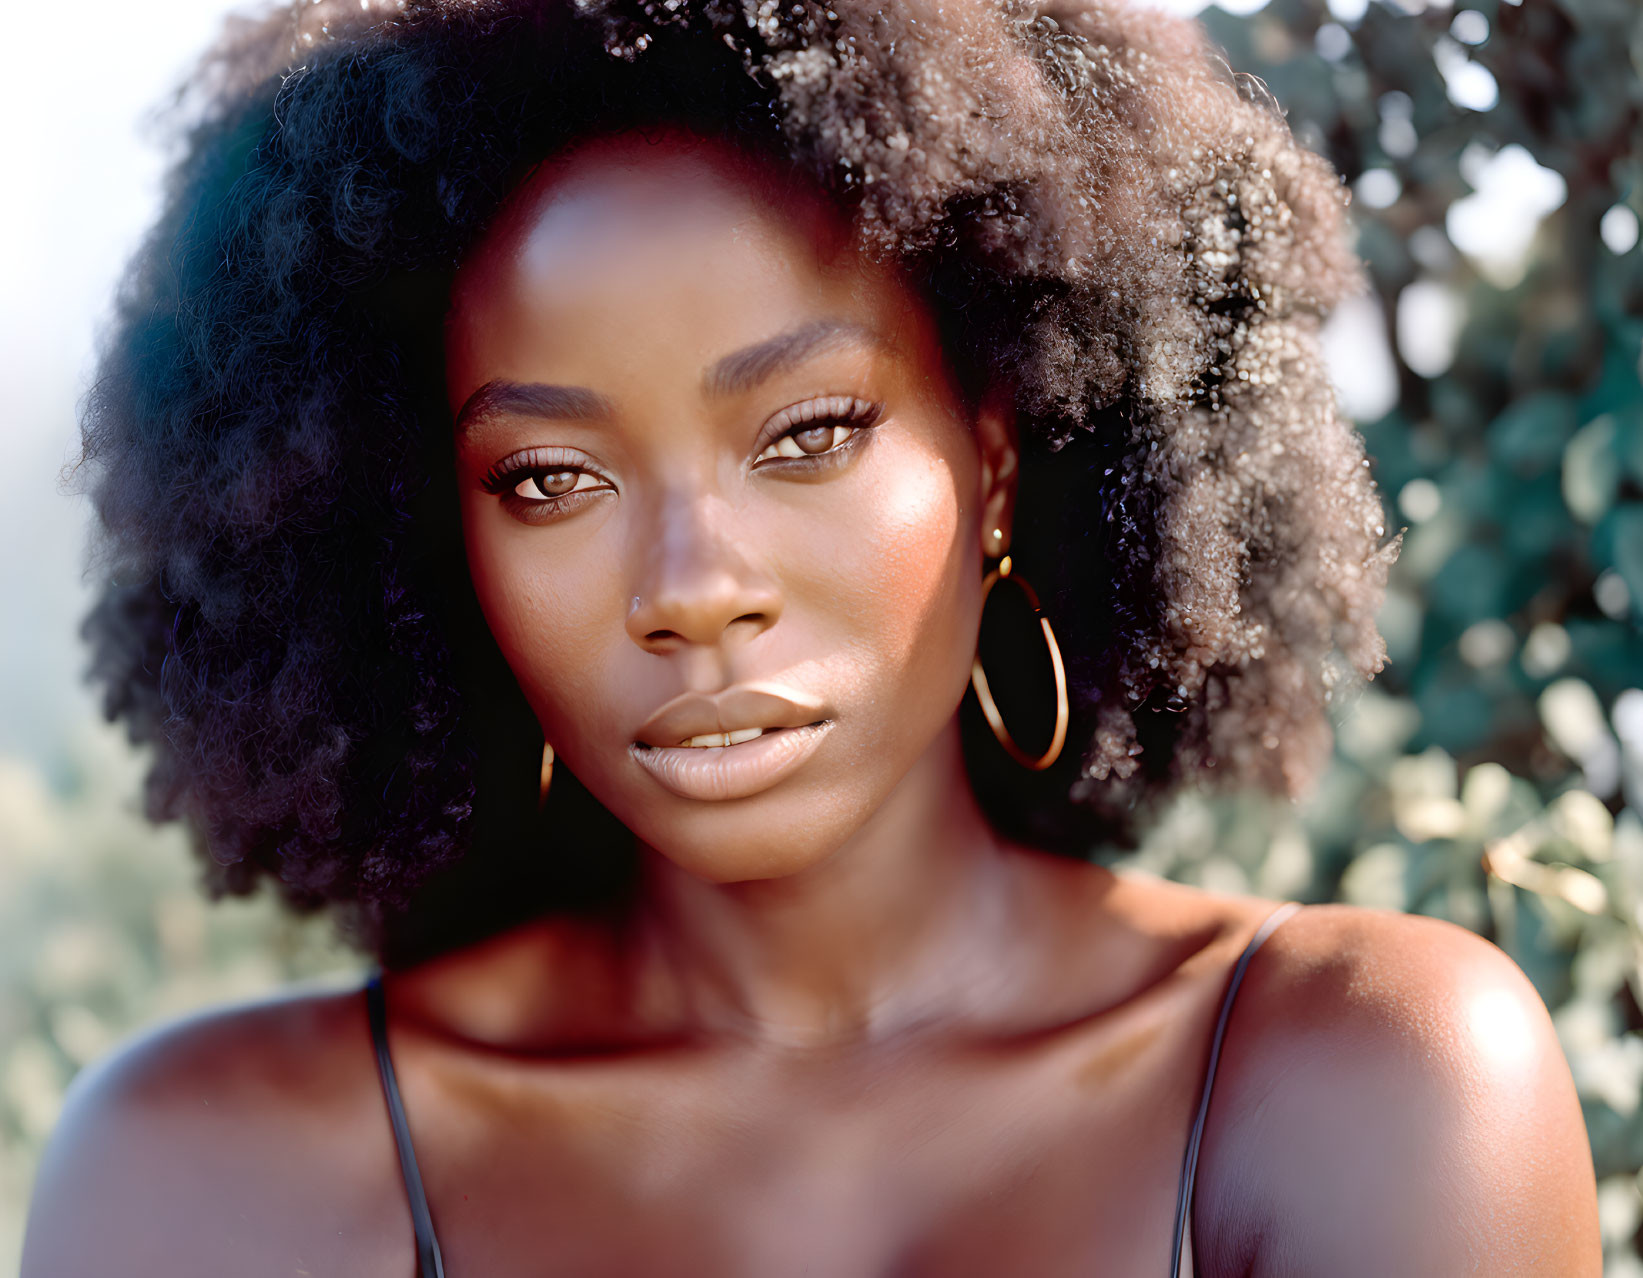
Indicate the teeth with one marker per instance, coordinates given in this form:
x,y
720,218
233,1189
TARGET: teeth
x,y
723,738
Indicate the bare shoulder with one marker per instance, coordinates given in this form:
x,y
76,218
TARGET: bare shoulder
x,y
1392,1099
246,1140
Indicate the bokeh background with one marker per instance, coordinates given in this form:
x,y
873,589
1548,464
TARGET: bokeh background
x,y
1493,775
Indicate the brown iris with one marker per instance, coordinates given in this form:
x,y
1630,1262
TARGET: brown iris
x,y
548,483
815,439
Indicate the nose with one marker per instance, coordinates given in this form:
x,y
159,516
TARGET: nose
x,y
697,584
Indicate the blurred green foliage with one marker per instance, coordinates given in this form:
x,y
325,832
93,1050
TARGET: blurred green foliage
x,y
1493,775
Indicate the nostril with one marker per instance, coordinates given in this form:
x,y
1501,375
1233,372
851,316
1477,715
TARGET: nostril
x,y
668,639
692,612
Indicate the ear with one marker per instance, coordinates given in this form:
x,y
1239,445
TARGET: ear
x,y
995,432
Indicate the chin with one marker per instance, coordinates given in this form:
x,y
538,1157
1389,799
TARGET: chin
x,y
720,845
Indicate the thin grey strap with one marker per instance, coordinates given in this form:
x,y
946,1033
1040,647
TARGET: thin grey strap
x,y
1189,1163
428,1262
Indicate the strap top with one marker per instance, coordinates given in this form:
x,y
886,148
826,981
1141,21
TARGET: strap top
x,y
429,1264
1181,1263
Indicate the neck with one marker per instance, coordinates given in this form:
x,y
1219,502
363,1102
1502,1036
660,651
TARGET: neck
x,y
908,923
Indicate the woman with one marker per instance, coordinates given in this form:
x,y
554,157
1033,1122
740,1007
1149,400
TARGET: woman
x,y
554,458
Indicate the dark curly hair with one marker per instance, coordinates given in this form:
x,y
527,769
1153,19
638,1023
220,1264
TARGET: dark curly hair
x,y
1106,221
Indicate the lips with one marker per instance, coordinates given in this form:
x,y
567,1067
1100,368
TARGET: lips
x,y
730,745
731,772
734,711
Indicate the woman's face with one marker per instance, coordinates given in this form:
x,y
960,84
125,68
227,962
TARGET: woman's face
x,y
715,479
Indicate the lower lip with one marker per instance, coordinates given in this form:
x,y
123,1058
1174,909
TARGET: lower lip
x,y
731,772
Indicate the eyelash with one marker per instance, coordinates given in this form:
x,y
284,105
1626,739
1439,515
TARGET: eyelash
x,y
539,464
840,412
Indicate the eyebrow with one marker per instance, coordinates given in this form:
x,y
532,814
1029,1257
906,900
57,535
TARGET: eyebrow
x,y
736,373
531,399
744,369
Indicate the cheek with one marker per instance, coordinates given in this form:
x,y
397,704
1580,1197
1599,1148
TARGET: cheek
x,y
902,587
551,628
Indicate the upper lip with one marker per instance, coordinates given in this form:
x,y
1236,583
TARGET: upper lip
x,y
693,714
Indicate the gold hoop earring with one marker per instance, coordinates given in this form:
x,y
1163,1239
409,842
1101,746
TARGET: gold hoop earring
x,y
547,774
984,694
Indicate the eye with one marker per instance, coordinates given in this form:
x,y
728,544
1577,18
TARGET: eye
x,y
816,427
809,441
545,485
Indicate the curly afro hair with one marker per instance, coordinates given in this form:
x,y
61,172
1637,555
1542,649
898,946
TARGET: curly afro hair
x,y
1107,222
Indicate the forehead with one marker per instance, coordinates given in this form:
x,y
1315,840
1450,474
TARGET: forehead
x,y
625,239
650,182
